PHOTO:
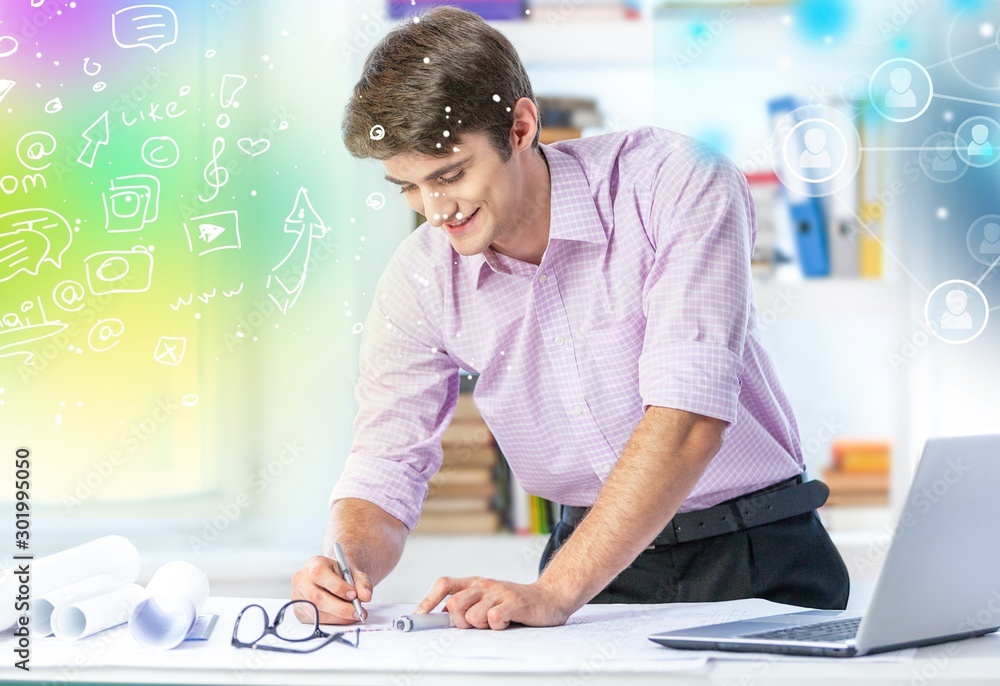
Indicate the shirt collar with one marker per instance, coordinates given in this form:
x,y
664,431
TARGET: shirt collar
x,y
572,212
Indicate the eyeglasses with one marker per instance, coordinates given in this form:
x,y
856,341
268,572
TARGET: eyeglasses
x,y
252,624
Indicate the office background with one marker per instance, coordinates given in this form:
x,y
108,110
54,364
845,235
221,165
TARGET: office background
x,y
180,379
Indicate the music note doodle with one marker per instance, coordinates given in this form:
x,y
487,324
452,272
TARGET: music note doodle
x,y
215,175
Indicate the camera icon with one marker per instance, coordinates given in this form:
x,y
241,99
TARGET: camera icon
x,y
119,271
131,202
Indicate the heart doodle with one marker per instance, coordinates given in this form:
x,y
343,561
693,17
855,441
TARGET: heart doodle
x,y
253,147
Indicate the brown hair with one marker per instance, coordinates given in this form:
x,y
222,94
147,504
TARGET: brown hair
x,y
469,63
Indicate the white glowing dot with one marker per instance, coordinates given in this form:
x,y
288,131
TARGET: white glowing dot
x,y
986,29
527,11
828,40
357,258
501,352
949,115
786,20
58,419
508,109
454,149
38,54
62,403
496,98
445,216
458,215
353,220
197,315
438,145
437,216
434,350
416,20
253,192
508,367
942,213
79,403
459,121
427,60
239,334
445,134
436,194
448,108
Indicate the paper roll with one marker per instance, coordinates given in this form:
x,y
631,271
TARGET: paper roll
x,y
114,555
44,606
169,607
82,618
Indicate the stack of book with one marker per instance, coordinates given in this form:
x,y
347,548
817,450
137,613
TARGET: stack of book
x,y
859,474
566,117
463,495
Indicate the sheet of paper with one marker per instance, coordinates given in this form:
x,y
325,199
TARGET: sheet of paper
x,y
604,638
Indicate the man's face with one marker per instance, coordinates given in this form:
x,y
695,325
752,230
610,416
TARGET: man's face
x,y
471,185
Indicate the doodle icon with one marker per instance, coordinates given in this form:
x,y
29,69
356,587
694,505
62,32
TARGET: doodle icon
x,y
151,26
288,277
377,132
376,201
131,202
170,350
30,237
211,232
119,271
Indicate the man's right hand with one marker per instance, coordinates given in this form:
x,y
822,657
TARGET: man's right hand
x,y
320,581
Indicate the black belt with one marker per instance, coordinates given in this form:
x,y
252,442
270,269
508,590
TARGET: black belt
x,y
777,501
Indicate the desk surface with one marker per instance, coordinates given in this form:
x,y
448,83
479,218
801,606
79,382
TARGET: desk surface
x,y
603,653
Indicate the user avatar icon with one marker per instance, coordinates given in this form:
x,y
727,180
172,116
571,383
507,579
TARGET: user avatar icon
x,y
943,159
901,94
815,155
956,300
991,240
980,146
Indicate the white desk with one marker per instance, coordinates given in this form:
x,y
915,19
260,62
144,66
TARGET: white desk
x,y
113,657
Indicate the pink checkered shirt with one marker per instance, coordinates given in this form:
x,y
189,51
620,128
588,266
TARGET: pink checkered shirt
x,y
643,297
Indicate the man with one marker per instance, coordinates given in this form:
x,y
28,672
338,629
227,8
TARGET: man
x,y
601,288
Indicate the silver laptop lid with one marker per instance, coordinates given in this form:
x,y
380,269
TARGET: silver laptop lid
x,y
941,575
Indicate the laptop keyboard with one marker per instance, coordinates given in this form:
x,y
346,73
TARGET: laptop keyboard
x,y
825,632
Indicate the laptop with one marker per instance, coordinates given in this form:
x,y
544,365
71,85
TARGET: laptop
x,y
940,580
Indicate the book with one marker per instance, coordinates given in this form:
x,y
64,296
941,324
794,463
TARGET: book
x,y
465,456
483,491
862,455
456,506
467,433
840,481
487,522
462,476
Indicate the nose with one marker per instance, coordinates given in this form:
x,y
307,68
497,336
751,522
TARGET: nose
x,y
438,208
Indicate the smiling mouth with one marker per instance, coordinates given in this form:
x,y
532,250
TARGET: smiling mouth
x,y
465,222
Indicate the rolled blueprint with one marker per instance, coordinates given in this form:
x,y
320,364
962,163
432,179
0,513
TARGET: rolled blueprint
x,y
87,616
113,555
169,607
44,606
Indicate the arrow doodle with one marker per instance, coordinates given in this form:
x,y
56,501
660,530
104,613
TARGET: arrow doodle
x,y
94,141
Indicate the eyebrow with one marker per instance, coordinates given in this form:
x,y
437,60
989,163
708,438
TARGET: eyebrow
x,y
434,174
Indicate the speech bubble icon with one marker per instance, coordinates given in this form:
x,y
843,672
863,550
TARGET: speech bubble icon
x,y
30,237
152,26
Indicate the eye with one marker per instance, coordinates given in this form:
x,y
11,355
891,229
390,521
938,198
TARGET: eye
x,y
452,179
406,189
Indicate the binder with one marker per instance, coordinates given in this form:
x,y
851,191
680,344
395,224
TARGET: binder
x,y
806,212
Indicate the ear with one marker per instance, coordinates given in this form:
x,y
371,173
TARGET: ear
x,y
526,123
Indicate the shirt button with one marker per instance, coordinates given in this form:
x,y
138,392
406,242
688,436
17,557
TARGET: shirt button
x,y
541,278
607,468
559,340
577,409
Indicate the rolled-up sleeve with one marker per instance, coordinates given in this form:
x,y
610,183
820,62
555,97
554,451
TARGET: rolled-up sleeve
x,y
406,395
696,298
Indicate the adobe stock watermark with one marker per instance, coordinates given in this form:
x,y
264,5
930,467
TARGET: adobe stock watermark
x,y
924,500
706,37
133,437
782,302
231,511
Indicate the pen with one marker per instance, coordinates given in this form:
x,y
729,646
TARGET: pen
x,y
348,577
433,620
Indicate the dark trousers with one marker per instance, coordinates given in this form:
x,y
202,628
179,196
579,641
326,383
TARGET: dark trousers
x,y
789,561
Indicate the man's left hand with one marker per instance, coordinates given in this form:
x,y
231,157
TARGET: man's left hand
x,y
489,604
